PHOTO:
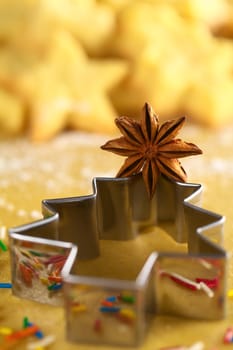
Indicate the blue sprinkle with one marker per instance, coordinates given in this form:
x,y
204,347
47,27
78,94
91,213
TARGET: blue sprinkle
x,y
5,285
39,334
56,286
112,298
109,309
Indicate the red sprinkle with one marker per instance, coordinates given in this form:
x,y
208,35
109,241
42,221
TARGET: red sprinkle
x,y
23,333
211,283
55,278
56,259
183,283
107,303
228,336
98,325
26,273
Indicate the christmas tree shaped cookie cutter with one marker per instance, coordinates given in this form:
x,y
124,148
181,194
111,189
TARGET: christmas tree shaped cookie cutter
x,y
45,258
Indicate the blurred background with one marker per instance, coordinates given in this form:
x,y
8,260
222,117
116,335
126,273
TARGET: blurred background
x,y
77,64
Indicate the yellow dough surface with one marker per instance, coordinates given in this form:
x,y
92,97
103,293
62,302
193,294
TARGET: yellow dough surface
x,y
65,166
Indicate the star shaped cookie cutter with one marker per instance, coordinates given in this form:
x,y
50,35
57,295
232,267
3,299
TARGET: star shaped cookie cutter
x,y
45,258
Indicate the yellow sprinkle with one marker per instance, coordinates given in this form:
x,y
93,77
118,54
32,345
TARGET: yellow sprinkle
x,y
127,313
26,253
38,266
230,293
5,331
44,280
79,308
39,348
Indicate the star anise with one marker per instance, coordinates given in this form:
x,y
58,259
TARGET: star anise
x,y
151,148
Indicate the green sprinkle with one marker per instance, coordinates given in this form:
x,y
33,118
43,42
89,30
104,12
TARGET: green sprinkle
x,y
3,246
52,286
128,298
35,253
25,322
55,286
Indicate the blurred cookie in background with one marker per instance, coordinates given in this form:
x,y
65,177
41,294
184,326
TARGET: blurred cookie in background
x,y
77,65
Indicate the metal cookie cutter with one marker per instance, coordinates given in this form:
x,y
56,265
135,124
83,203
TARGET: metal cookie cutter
x,y
46,255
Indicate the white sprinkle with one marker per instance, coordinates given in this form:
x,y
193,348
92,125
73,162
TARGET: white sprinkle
x,y
197,285
3,233
49,339
10,206
197,346
206,264
207,290
21,212
35,214
184,279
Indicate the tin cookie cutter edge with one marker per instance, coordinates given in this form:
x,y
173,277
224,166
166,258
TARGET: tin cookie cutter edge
x,y
117,311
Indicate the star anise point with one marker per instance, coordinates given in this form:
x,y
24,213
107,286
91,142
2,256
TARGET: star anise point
x,y
151,148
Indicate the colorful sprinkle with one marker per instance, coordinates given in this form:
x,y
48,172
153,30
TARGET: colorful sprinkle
x,y
111,309
230,293
23,333
189,284
39,334
44,280
206,289
26,274
25,322
211,283
113,305
97,325
112,299
27,244
41,344
55,286
127,313
5,285
56,279
3,246
126,316
6,330
25,253
79,308
228,336
56,259
183,281
128,298
107,303
45,267
3,233
197,346
36,253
